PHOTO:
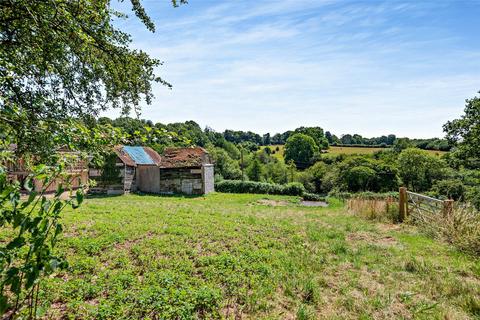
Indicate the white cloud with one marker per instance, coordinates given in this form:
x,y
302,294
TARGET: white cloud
x,y
276,65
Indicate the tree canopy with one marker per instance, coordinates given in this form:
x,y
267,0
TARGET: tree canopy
x,y
465,133
63,59
300,148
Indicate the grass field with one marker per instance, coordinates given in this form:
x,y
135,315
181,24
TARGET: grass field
x,y
228,256
344,150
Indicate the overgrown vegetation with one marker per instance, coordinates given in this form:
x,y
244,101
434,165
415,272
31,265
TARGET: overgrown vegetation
x,y
460,228
237,157
227,256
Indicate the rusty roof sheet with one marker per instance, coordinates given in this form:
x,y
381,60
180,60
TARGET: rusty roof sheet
x,y
184,157
153,155
125,157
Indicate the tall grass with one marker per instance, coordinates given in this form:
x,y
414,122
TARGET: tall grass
x,y
461,228
384,210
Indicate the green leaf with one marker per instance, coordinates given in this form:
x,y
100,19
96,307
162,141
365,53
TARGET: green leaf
x,y
79,196
58,230
31,276
30,199
28,185
60,190
18,242
3,304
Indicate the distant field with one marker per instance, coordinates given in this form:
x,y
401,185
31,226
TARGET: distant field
x,y
239,256
352,150
343,150
276,153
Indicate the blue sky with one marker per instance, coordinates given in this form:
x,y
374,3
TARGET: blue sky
x,y
367,67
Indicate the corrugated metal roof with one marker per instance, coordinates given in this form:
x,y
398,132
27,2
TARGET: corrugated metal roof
x,y
138,155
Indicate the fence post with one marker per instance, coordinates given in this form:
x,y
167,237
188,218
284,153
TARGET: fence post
x,y
402,205
447,208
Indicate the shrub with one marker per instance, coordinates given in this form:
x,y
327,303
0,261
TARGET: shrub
x,y
452,189
418,169
238,186
473,196
364,195
293,189
312,197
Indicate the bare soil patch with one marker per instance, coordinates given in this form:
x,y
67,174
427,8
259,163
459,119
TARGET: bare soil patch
x,y
322,204
372,238
273,203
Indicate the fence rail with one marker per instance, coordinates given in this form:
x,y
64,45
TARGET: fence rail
x,y
422,207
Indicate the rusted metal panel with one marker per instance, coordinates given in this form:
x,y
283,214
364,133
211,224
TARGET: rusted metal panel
x,y
148,178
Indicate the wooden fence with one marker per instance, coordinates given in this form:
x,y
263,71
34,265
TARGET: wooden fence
x,y
421,207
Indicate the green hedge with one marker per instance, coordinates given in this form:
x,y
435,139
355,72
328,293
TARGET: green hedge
x,y
239,186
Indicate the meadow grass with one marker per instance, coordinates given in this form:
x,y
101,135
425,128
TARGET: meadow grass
x,y
335,150
231,256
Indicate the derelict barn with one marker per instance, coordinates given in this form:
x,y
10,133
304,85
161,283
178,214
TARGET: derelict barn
x,y
76,173
177,170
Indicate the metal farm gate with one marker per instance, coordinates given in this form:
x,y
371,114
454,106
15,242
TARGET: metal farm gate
x,y
422,208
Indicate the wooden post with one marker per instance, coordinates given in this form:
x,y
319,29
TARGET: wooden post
x,y
447,208
402,205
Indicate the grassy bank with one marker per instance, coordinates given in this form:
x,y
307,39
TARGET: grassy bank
x,y
234,256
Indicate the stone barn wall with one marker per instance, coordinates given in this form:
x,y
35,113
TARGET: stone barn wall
x,y
181,180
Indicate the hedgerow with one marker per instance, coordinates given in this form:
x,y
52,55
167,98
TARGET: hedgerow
x,y
239,186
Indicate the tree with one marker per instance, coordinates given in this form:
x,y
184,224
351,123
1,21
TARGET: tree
x,y
255,170
318,171
61,63
346,139
266,139
402,144
317,135
224,164
464,133
329,137
418,170
61,59
391,139
361,173
300,148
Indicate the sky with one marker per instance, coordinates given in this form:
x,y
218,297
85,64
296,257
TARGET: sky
x,y
367,67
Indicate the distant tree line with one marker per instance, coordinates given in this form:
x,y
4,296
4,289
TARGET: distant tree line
x,y
323,140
